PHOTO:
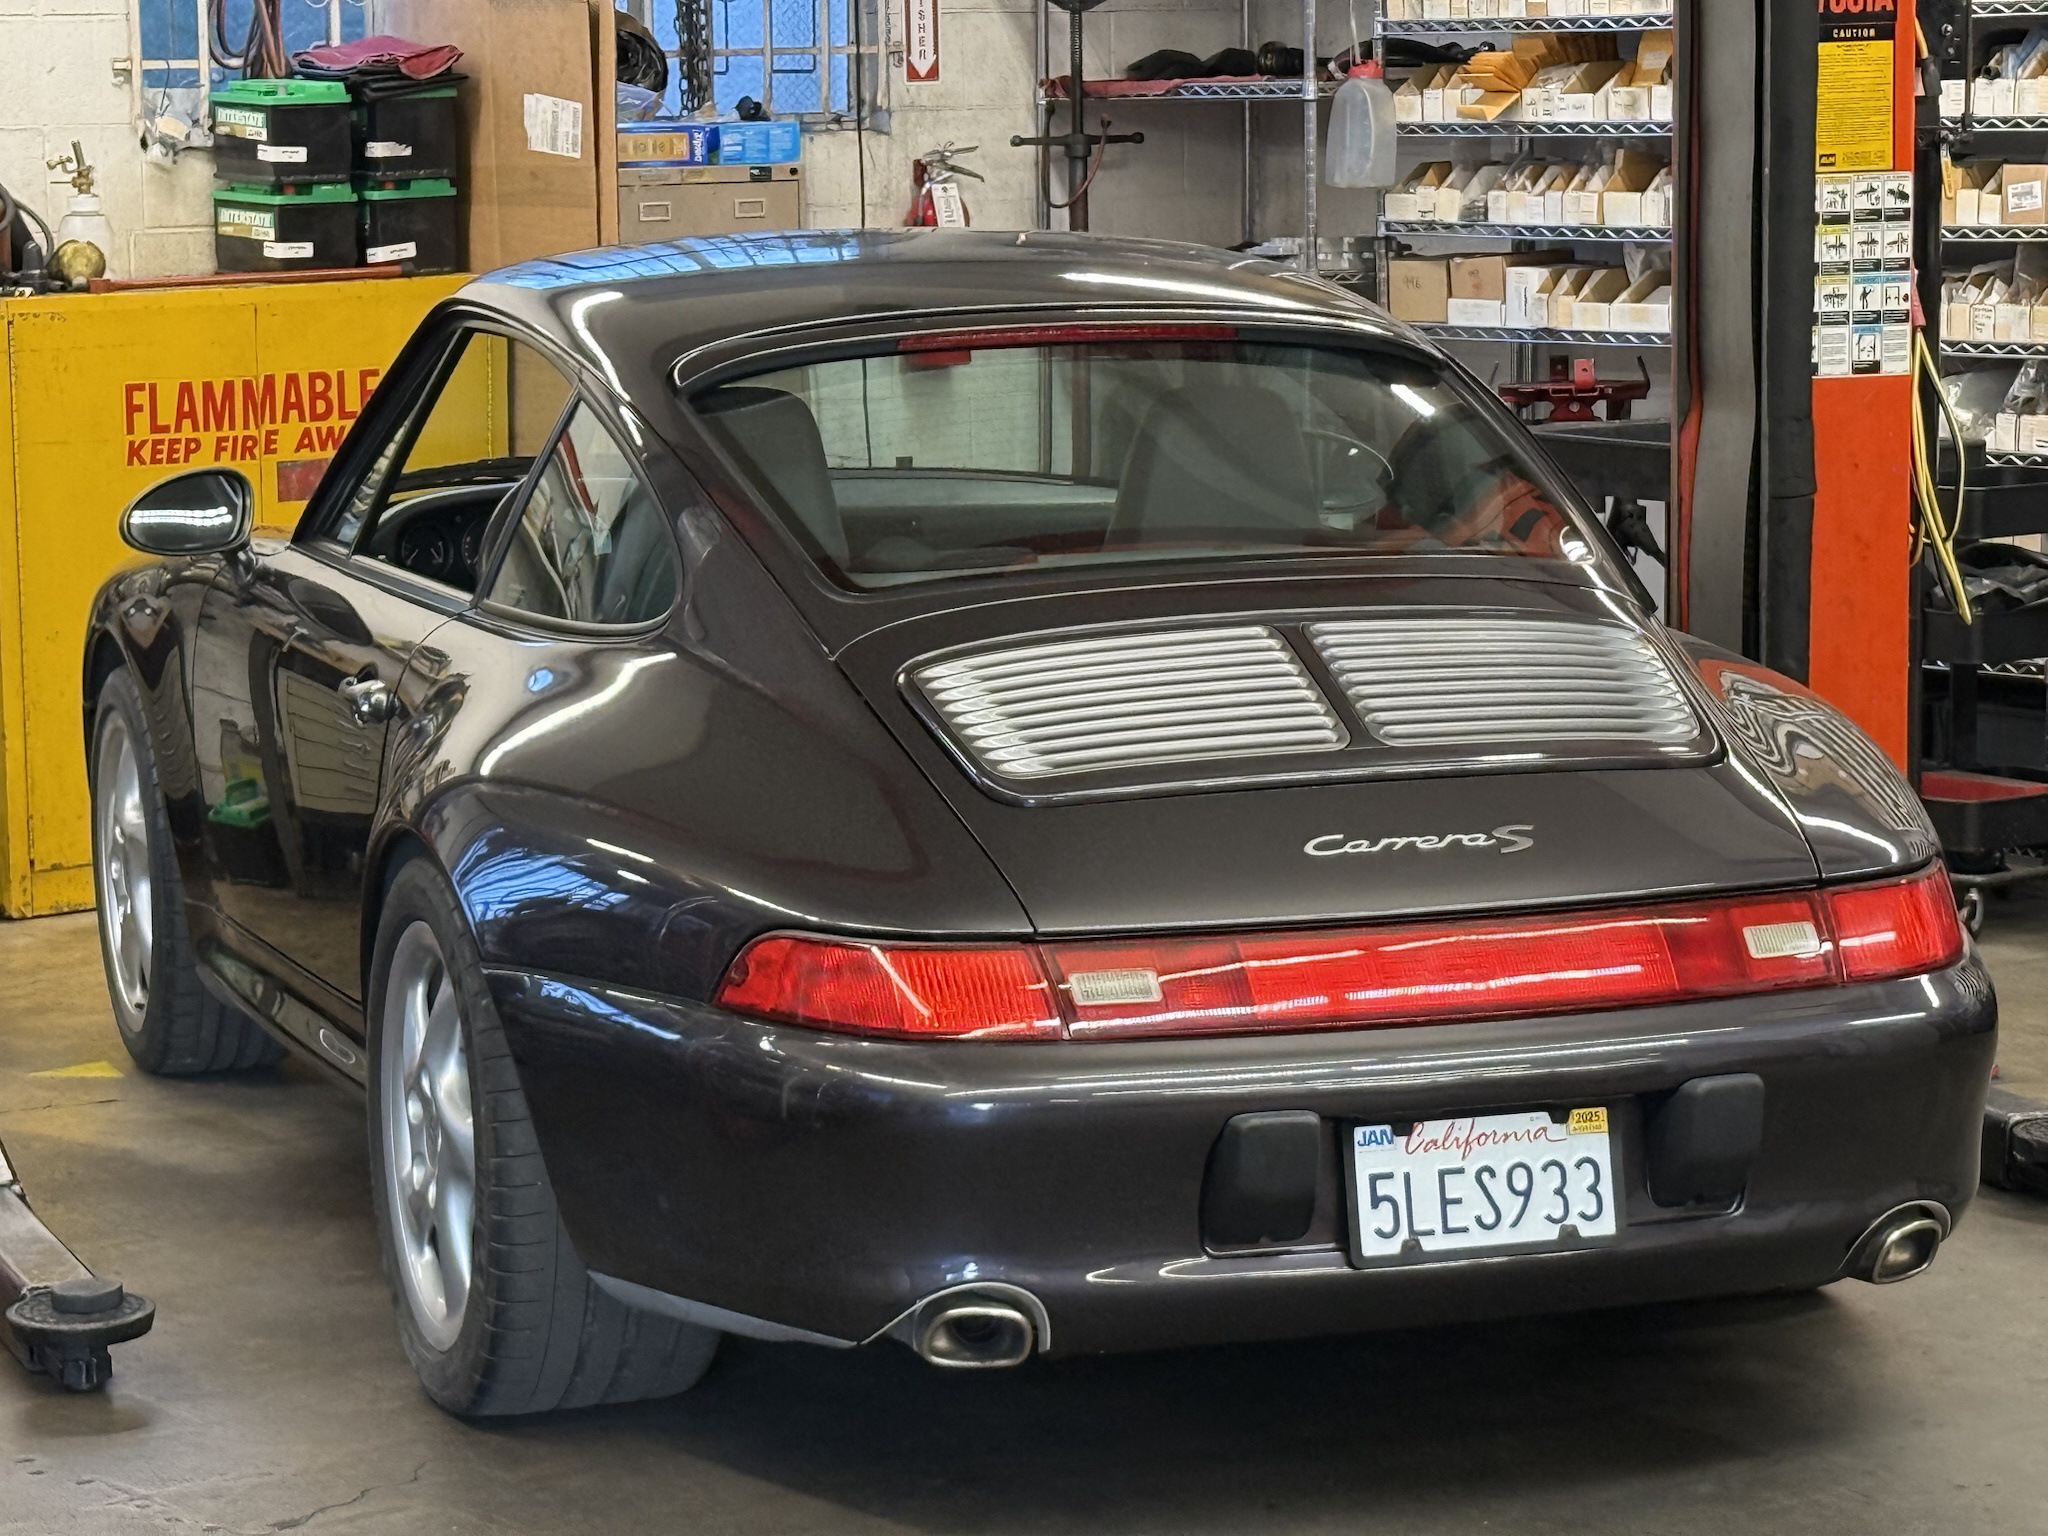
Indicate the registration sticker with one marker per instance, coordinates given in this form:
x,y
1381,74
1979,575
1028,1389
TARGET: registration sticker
x,y
1481,1181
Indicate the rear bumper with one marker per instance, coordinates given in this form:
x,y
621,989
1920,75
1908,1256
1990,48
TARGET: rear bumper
x,y
826,1185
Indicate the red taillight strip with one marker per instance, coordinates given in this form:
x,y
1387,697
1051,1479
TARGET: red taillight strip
x,y
1063,335
1397,974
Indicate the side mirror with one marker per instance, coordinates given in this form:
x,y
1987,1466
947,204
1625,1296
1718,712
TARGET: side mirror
x,y
201,512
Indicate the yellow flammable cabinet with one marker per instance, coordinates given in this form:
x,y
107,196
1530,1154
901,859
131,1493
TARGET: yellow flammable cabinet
x,y
102,395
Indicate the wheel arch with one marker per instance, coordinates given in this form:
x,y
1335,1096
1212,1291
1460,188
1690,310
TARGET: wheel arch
x,y
389,854
104,656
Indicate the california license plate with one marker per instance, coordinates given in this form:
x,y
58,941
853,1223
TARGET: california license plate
x,y
1482,1181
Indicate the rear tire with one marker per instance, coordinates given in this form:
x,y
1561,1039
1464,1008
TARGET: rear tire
x,y
495,1310
170,1023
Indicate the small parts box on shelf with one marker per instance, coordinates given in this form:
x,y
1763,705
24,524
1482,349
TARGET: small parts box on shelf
x,y
410,132
257,229
272,133
412,223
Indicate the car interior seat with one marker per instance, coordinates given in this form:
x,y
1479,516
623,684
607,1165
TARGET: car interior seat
x,y
778,435
1220,456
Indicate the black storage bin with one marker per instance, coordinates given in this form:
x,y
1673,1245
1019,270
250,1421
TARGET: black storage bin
x,y
411,131
273,133
413,223
263,229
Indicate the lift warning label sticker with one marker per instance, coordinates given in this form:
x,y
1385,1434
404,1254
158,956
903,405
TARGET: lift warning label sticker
x,y
1863,274
1852,125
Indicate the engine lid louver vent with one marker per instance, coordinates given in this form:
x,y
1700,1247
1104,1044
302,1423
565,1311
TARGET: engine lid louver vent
x,y
1480,680
1130,700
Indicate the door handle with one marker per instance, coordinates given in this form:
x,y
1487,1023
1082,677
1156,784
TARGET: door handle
x,y
369,699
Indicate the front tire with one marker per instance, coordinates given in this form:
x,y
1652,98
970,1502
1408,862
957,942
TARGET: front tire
x,y
171,1025
495,1310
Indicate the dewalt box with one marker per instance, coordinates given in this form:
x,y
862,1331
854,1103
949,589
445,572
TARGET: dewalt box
x,y
272,133
263,229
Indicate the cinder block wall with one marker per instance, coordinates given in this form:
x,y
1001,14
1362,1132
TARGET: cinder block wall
x,y
58,83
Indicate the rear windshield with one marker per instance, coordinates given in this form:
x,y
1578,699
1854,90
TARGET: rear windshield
x,y
963,459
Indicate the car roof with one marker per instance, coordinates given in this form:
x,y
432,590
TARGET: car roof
x,y
698,292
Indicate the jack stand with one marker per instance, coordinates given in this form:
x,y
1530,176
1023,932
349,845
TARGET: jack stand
x,y
1077,142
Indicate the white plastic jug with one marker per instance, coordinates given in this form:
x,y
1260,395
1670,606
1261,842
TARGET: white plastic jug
x,y
1360,149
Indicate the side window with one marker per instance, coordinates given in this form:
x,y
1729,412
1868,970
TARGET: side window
x,y
467,444
589,546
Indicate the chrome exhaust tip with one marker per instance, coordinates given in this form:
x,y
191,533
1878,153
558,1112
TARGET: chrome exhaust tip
x,y
980,1326
1900,1244
974,1335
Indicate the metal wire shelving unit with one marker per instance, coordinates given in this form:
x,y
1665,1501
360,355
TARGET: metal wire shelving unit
x,y
1515,128
1994,349
1575,233
1438,27
1307,91
1544,335
1519,136
1995,234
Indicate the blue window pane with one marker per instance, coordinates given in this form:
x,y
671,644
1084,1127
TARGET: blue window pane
x,y
737,23
796,93
665,29
176,78
159,33
793,23
735,76
836,22
839,97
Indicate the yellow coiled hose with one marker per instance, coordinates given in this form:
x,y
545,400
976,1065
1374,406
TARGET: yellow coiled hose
x,y
1932,529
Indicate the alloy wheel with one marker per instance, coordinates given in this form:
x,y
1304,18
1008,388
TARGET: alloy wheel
x,y
122,871
429,1135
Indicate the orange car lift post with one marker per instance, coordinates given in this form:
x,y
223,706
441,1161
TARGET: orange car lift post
x,y
1859,616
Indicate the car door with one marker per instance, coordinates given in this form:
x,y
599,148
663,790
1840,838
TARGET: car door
x,y
298,665
302,648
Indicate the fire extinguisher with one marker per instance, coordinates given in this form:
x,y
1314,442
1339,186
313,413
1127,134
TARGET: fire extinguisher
x,y
935,200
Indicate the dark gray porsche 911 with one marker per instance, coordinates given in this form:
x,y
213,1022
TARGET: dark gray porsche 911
x,y
1013,793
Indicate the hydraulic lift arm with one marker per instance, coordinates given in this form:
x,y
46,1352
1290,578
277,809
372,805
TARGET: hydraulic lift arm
x,y
55,1314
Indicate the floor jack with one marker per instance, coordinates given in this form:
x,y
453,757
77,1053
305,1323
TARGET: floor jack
x,y
57,1316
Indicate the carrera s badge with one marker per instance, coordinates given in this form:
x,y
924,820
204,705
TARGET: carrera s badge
x,y
1501,839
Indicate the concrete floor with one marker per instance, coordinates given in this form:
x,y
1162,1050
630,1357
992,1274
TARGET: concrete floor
x,y
273,1397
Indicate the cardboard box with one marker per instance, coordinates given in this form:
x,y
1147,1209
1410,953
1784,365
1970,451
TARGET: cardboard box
x,y
1646,306
1586,98
1621,200
1564,295
1418,289
1476,312
1408,97
1593,307
1959,202
1486,277
666,144
2025,194
1528,300
1994,98
1657,201
1415,198
1441,95
1468,202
